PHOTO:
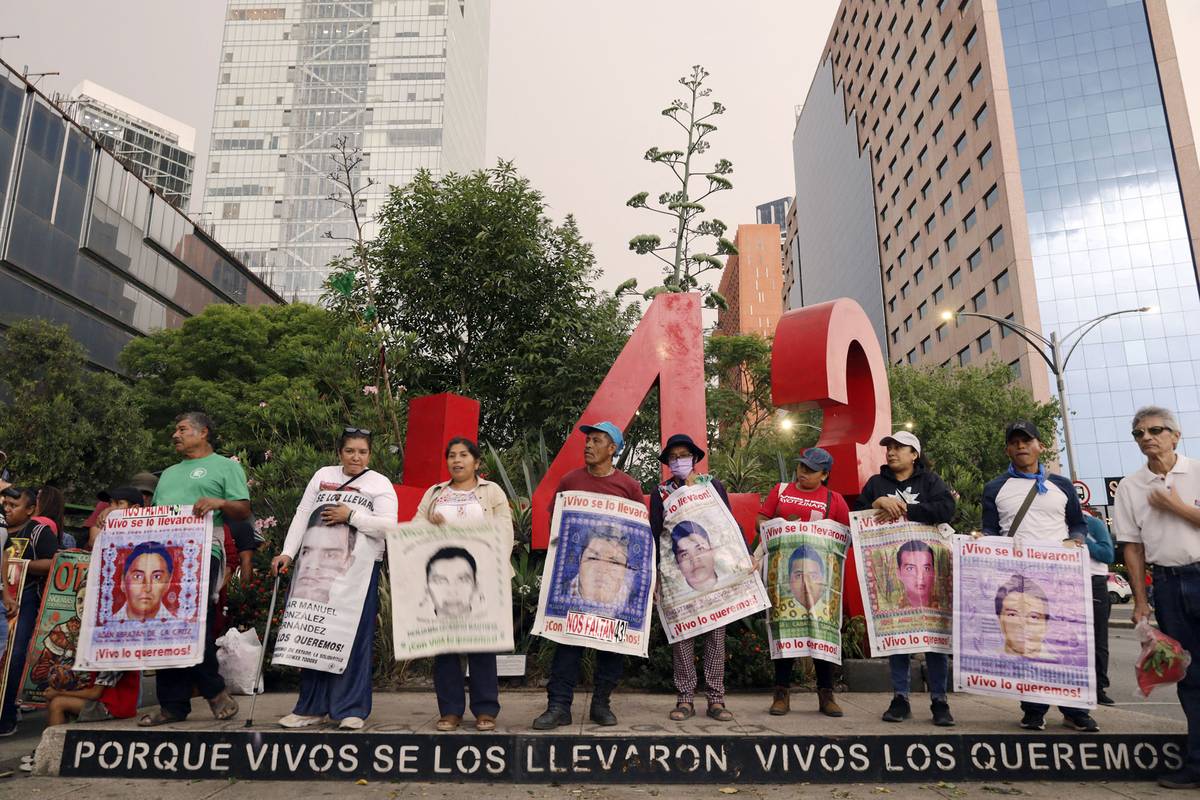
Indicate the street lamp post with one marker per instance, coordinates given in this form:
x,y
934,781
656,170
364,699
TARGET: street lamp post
x,y
1050,349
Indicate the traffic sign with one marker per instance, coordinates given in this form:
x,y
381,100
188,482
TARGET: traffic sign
x,y
1081,489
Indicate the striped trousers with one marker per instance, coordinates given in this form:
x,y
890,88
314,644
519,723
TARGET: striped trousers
x,y
683,655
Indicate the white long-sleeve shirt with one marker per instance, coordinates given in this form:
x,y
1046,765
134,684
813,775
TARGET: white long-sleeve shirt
x,y
370,495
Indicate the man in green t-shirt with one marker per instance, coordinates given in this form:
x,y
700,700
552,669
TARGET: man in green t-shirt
x,y
208,482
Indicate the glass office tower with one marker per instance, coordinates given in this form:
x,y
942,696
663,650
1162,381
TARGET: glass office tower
x,y
1106,220
404,80
88,244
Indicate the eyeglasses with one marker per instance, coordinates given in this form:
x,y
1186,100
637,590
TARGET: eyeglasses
x,y
361,431
1153,430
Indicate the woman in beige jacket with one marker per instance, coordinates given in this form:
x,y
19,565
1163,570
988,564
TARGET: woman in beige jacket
x,y
465,499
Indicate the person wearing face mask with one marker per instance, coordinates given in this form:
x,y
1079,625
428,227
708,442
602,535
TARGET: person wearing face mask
x,y
906,488
806,499
694,555
324,533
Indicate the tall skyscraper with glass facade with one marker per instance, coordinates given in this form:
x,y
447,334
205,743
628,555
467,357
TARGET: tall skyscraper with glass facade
x,y
1027,159
404,80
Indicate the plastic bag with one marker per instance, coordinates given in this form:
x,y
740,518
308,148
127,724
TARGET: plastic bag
x,y
238,654
1162,661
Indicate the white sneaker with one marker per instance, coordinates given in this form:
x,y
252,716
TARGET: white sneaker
x,y
352,724
300,721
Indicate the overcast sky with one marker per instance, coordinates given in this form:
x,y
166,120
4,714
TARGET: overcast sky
x,y
575,88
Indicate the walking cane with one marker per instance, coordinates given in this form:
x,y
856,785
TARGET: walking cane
x,y
263,654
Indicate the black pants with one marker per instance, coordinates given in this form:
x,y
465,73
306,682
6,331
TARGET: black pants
x,y
18,641
564,673
1101,610
175,685
783,672
448,683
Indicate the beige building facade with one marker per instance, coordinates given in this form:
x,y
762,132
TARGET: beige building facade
x,y
1030,160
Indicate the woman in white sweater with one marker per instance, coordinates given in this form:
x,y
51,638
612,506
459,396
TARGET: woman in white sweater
x,y
337,500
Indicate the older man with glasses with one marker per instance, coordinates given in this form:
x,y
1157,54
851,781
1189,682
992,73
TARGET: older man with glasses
x,y
1158,519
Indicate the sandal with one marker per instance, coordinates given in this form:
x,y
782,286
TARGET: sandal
x,y
485,722
719,712
156,718
223,706
683,711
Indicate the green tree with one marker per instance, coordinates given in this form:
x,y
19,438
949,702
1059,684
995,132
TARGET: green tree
x,y
63,423
683,203
959,415
489,298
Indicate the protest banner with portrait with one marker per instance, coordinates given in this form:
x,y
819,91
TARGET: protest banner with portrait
x,y
14,579
466,605
145,606
329,587
706,578
803,574
599,574
904,572
1023,621
51,659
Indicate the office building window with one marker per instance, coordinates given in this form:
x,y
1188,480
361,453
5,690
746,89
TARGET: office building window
x,y
926,345
951,70
947,203
1015,368
969,220
911,358
960,144
1006,331
923,156
895,335
934,98
908,322
939,295
888,274
940,332
984,342
970,41
919,276
930,223
979,301
976,77
964,356
981,116
942,169
925,190
938,133
985,156
992,195
905,289
948,36
996,240
955,278
974,260
951,241
956,107
935,259
964,182
923,309
1001,282
892,304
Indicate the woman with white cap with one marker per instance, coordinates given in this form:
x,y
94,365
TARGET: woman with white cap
x,y
906,488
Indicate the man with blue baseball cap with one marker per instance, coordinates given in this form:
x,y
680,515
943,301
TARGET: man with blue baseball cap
x,y
602,444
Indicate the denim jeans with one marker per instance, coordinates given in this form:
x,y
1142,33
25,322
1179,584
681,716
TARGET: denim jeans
x,y
448,684
938,665
1177,608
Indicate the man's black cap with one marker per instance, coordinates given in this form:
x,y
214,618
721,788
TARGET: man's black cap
x,y
681,439
1024,427
129,494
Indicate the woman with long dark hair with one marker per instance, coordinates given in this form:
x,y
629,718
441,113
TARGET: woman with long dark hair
x,y
344,698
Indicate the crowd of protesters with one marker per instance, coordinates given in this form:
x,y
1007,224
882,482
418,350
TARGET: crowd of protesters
x,y
1157,519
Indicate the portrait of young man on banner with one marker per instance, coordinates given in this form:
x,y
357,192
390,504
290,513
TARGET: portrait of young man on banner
x,y
599,574
56,637
464,600
706,578
144,605
1023,622
329,582
803,577
904,572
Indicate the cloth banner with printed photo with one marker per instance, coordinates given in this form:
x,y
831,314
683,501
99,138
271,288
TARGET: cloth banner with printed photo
x,y
451,589
705,576
803,574
599,574
51,659
904,572
1023,621
146,604
14,579
329,586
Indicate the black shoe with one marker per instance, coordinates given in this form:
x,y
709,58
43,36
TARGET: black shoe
x,y
1103,699
1082,722
1183,779
601,712
941,714
553,717
1034,721
8,730
899,710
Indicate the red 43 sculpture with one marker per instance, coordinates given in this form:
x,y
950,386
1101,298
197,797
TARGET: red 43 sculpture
x,y
824,356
